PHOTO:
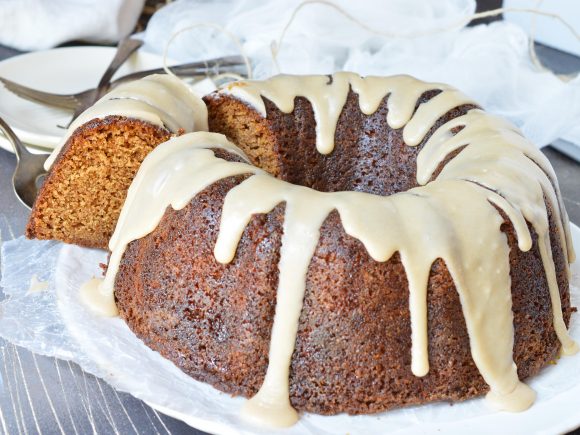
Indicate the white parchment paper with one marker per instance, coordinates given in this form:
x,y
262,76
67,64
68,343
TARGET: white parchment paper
x,y
54,322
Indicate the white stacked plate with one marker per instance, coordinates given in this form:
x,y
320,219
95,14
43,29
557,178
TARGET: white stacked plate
x,y
64,70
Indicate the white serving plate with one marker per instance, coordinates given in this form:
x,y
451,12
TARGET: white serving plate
x,y
61,70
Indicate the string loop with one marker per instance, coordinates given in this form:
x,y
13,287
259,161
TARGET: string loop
x,y
458,24
221,29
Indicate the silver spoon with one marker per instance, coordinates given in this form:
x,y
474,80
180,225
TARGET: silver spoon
x,y
29,168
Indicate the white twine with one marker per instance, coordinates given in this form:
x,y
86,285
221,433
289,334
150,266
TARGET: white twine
x,y
221,29
276,45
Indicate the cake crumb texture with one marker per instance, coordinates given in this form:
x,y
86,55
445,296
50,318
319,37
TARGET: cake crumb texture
x,y
82,196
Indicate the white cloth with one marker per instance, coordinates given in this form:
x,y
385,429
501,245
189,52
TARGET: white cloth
x,y
40,24
490,63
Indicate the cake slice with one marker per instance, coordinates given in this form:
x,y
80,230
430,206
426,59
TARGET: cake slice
x,y
90,172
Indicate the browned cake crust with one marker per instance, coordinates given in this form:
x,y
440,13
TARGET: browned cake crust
x,y
81,198
353,350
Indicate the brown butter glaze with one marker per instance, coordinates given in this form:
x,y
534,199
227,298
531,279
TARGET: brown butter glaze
x,y
445,197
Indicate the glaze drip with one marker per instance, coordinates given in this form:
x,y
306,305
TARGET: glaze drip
x,y
453,217
328,96
160,99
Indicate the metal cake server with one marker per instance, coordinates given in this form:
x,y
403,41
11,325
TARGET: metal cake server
x,y
80,101
201,69
125,49
29,168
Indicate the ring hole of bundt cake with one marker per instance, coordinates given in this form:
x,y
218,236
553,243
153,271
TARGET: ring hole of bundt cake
x,y
368,156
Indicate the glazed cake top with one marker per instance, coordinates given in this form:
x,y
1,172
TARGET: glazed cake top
x,y
452,217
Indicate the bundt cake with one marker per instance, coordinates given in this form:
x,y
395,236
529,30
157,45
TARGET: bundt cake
x,y
367,243
90,172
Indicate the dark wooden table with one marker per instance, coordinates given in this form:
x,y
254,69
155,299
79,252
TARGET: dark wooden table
x,y
47,395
